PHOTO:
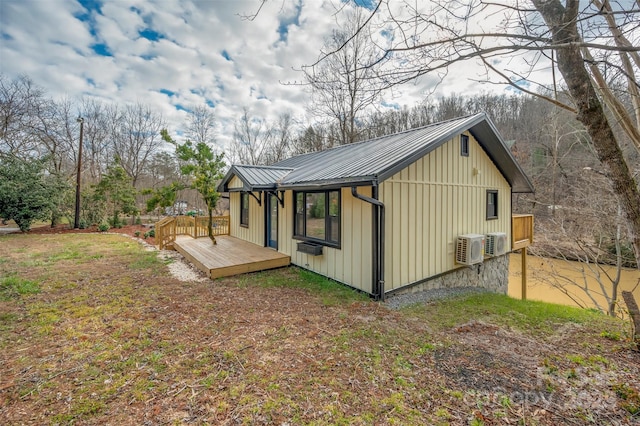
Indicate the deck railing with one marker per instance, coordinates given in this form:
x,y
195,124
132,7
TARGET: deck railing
x,y
521,231
170,227
165,232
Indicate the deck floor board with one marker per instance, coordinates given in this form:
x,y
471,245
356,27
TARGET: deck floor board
x,y
230,256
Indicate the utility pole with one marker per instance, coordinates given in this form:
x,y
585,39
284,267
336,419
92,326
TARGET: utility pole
x,y
76,222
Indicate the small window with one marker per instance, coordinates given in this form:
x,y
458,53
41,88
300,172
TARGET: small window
x,y
492,204
244,209
317,217
464,145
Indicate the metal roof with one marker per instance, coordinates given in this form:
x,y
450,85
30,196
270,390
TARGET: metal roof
x,y
374,161
254,177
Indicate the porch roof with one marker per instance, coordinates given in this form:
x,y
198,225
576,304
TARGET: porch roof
x,y
254,178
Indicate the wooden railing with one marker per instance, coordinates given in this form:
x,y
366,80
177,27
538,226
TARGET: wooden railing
x,y
170,227
165,232
521,231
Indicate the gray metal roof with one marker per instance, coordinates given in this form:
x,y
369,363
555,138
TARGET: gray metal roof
x,y
374,161
254,177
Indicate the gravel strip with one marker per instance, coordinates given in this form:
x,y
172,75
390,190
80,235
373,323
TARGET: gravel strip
x,y
402,300
181,269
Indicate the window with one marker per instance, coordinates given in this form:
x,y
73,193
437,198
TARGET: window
x,y
317,216
492,204
464,145
244,209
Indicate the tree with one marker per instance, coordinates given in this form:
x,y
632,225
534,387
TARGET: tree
x,y
205,169
251,140
134,133
201,125
163,197
20,101
27,193
341,84
582,242
95,138
57,131
256,141
589,46
117,192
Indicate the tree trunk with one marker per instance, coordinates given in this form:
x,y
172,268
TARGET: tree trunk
x,y
634,313
590,112
210,226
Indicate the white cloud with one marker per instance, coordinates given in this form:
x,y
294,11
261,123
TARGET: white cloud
x,y
55,43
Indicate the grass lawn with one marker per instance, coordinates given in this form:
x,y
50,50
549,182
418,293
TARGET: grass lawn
x,y
95,330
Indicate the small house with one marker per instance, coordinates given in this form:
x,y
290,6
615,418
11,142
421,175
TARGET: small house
x,y
428,207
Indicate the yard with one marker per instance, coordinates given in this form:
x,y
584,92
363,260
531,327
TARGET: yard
x,y
94,329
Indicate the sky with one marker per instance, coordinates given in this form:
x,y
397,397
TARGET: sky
x,y
176,54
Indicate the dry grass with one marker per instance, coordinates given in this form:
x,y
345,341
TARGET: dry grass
x,y
109,337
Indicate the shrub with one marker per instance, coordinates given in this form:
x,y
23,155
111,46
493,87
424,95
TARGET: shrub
x,y
138,220
136,234
82,224
103,227
151,233
115,222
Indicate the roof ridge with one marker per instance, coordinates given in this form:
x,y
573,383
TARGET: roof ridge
x,y
257,166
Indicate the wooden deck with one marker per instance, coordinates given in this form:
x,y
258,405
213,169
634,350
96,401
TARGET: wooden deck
x,y
231,256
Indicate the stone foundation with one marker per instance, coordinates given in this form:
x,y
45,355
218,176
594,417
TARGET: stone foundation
x,y
491,275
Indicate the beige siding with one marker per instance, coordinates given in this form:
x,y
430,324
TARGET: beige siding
x,y
235,182
431,202
351,263
255,231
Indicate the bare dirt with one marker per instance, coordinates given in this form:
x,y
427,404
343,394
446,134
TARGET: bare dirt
x,y
113,338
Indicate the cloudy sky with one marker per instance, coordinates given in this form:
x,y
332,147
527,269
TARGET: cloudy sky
x,y
174,54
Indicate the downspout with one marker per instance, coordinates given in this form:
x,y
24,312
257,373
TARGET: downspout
x,y
378,239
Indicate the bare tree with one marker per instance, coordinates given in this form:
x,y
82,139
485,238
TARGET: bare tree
x,y
282,138
201,125
135,136
250,140
583,244
95,138
20,102
310,140
589,46
342,86
57,131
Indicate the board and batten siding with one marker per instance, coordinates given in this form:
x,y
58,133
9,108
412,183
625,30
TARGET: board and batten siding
x,y
432,201
235,183
254,233
351,263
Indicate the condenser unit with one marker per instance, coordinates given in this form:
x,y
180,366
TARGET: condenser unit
x,y
495,243
470,249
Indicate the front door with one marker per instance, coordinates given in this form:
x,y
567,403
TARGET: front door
x,y
272,221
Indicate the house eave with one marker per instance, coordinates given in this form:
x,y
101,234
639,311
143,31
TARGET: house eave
x,y
329,184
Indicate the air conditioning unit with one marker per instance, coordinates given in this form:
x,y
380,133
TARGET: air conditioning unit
x,y
470,249
496,243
